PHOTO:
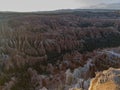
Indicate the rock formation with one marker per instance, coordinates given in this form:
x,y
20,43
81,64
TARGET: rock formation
x,y
58,51
106,80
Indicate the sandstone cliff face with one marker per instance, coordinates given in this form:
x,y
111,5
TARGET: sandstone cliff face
x,y
106,80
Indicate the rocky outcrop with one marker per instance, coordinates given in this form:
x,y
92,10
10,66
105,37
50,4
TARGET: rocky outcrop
x,y
106,80
81,77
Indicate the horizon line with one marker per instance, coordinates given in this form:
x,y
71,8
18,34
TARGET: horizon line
x,y
33,11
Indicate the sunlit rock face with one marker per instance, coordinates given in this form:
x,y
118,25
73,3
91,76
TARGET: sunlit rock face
x,y
106,80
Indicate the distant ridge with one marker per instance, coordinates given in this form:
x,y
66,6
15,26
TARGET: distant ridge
x,y
114,6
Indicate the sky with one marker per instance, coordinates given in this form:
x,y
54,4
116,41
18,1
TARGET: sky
x,y
47,5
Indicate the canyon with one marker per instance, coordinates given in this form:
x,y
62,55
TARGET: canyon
x,y
76,50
